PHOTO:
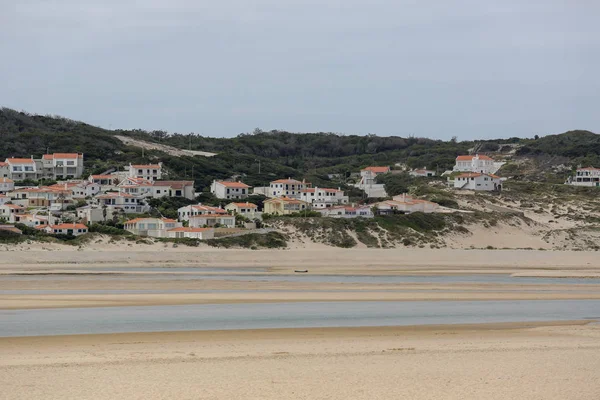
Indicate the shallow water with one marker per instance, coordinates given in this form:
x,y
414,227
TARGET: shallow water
x,y
286,315
308,278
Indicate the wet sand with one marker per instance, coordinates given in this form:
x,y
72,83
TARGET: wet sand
x,y
497,361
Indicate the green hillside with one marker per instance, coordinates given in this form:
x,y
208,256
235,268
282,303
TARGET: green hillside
x,y
281,154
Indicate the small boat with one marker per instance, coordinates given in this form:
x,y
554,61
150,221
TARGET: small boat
x,y
301,271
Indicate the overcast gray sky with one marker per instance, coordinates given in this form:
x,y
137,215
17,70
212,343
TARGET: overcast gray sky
x,y
470,68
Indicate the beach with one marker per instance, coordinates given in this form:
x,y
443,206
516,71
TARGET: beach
x,y
526,360
499,361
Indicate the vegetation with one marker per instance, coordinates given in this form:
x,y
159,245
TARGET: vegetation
x,y
271,240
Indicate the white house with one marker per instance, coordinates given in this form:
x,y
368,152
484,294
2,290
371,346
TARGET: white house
x,y
6,185
369,174
4,170
367,181
103,180
153,227
229,190
157,189
67,229
290,188
588,176
422,172
23,168
62,165
192,233
477,181
4,199
184,213
125,201
406,204
200,221
246,209
32,220
94,213
363,211
323,197
150,172
173,189
481,164
8,212
85,189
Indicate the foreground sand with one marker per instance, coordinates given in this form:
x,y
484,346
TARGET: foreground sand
x,y
502,361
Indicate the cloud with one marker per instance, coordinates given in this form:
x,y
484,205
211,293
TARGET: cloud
x,y
441,68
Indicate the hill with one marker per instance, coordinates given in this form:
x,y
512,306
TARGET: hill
x,y
260,156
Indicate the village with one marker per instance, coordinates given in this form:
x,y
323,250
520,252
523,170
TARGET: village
x,y
74,201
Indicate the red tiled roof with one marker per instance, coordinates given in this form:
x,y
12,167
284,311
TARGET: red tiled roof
x,y
469,158
149,166
20,160
243,205
588,169
240,185
377,170
289,181
61,156
3,164
285,200
68,226
173,184
217,210
6,180
102,177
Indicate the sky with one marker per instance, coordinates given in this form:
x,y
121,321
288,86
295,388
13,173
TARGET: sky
x,y
432,68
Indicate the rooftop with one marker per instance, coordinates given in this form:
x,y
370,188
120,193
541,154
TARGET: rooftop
x,y
240,185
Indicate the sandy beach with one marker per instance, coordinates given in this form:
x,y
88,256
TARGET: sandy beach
x,y
501,361
549,360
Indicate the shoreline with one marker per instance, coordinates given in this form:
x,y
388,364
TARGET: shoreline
x,y
288,333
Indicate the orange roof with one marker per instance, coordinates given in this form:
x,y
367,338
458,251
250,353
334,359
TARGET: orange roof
x,y
289,180
68,226
469,158
15,206
173,184
285,200
6,180
20,161
149,166
240,185
188,229
200,207
243,205
102,177
3,164
330,190
61,155
588,169
377,170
